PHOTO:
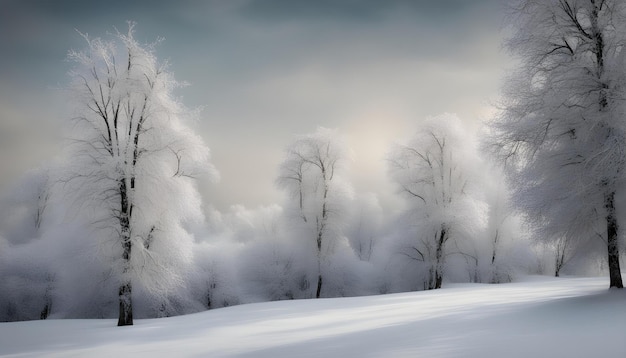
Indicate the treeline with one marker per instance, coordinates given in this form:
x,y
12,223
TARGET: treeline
x,y
116,227
61,255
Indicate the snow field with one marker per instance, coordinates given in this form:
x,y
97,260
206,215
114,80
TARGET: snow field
x,y
539,317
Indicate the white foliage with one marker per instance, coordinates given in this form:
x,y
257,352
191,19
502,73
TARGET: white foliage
x,y
312,175
132,157
561,131
435,172
560,146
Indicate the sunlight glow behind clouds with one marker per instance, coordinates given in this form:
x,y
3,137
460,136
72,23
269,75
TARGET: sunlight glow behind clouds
x,y
267,70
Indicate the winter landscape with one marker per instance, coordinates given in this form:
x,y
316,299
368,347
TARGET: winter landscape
x,y
280,178
540,317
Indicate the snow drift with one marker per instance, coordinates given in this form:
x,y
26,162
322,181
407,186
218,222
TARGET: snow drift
x,y
540,317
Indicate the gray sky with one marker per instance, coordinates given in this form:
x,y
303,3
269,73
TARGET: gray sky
x,y
263,71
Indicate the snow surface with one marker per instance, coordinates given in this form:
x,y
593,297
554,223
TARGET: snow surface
x,y
539,317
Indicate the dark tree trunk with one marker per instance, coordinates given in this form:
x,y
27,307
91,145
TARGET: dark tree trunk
x,y
126,305
319,262
320,233
45,312
435,272
438,279
443,236
47,308
125,289
494,273
560,260
125,292
319,286
612,239
495,248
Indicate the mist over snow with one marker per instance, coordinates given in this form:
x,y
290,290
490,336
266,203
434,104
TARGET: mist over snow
x,y
280,178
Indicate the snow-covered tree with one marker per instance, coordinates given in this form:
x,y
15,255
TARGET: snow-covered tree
x,y
131,163
312,174
434,172
561,129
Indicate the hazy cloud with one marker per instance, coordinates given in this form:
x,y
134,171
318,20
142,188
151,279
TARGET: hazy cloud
x,y
266,70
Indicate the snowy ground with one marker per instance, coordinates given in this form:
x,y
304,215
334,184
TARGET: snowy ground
x,y
540,317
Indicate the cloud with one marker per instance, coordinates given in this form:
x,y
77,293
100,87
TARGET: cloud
x,y
267,70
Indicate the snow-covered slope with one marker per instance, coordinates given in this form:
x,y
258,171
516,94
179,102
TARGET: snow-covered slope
x,y
540,317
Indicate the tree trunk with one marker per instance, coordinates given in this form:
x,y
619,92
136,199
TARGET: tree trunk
x,y
559,262
438,278
45,312
126,305
494,248
319,286
612,240
609,199
443,236
320,233
125,289
494,273
319,263
47,308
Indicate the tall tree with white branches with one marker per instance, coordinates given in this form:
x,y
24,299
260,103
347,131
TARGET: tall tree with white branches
x,y
312,174
132,162
434,172
561,128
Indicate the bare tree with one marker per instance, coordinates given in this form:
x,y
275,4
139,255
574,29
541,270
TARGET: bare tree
x,y
433,172
563,252
561,130
132,160
311,173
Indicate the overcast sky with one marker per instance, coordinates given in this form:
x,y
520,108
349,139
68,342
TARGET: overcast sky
x,y
263,71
